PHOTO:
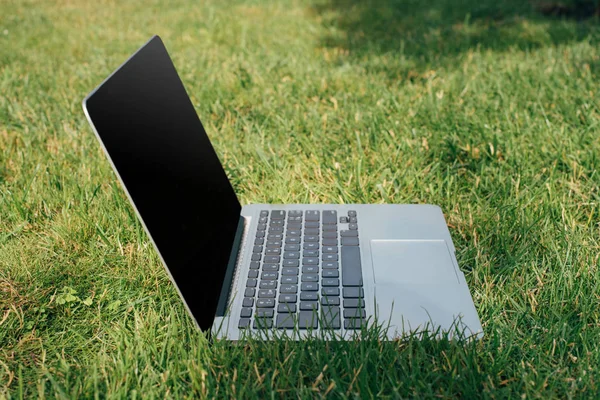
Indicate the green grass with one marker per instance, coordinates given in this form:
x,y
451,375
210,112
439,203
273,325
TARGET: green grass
x,y
480,106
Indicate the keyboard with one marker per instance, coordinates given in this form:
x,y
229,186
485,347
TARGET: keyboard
x,y
301,259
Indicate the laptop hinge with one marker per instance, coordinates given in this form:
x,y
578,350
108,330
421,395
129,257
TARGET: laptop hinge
x,y
231,266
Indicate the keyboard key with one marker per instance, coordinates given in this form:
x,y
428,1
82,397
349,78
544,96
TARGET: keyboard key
x,y
310,253
311,231
269,276
261,227
268,285
277,214
309,305
264,312
270,267
273,252
330,249
330,265
343,220
348,233
351,266
329,235
289,271
330,228
288,288
260,234
354,323
310,269
330,242
253,273
254,265
294,219
263,323
248,302
275,236
330,217
330,291
265,303
246,312
312,224
354,303
251,282
272,244
285,321
244,323
326,257
266,293
349,241
312,296
287,298
259,241
311,238
330,282
352,213
310,278
293,232
276,229
330,301
353,227
264,213
355,313
310,261
255,257
292,239
291,255
310,287
271,259
289,279
313,216
295,213
310,246
294,225
249,292
276,223
353,292
286,308
291,263
330,273
291,247
330,318
353,220
308,319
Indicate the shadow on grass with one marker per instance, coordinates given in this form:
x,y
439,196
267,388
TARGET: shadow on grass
x,y
435,33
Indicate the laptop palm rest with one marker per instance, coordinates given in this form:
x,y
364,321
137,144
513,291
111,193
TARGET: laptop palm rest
x,y
416,284
412,261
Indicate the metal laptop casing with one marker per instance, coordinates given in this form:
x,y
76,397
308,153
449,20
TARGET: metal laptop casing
x,y
407,300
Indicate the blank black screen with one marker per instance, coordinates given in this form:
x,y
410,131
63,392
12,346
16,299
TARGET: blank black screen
x,y
159,148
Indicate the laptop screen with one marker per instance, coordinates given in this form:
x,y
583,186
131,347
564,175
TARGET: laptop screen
x,y
157,144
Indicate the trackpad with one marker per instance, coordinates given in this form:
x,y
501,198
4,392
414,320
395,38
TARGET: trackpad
x,y
412,261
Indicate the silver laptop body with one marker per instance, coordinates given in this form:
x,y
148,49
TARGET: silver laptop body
x,y
324,270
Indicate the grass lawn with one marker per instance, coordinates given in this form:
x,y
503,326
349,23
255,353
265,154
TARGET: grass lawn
x,y
481,106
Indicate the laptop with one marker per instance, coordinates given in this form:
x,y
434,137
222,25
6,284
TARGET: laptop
x,y
293,269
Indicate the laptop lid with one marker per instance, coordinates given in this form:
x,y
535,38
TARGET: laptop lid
x,y
170,171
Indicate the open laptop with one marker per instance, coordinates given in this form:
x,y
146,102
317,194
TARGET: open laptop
x,y
297,269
